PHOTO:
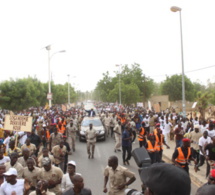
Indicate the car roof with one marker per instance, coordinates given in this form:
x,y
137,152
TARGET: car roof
x,y
91,118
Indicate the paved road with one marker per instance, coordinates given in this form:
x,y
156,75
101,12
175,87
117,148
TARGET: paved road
x,y
92,169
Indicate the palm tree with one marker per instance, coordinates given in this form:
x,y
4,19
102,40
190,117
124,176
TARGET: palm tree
x,y
203,101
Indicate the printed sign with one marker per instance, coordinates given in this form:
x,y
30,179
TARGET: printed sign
x,y
18,123
139,104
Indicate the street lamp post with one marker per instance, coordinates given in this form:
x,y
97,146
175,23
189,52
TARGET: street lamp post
x,y
49,96
68,91
119,65
178,9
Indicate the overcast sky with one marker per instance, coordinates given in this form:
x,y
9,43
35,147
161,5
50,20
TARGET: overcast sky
x,y
99,34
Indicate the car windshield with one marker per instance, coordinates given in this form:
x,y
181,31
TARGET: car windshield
x,y
95,123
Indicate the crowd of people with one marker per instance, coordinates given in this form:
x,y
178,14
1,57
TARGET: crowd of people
x,y
37,162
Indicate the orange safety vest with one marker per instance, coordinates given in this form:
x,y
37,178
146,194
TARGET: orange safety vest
x,y
155,131
47,133
141,134
63,127
123,120
150,147
60,129
181,159
160,146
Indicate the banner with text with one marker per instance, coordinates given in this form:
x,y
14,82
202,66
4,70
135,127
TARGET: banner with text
x,y
18,123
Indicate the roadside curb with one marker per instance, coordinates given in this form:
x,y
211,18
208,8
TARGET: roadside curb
x,y
193,178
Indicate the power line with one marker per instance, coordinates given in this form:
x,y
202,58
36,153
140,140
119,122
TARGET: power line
x,y
200,69
186,71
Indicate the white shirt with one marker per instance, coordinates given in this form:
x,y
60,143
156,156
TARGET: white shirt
x,y
202,128
161,124
23,138
167,127
146,120
6,142
133,125
5,159
66,182
203,142
16,189
211,133
195,122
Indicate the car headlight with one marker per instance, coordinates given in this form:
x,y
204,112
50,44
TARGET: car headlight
x,y
101,132
82,132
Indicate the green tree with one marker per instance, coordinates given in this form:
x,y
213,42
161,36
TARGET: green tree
x,y
129,77
203,102
136,75
21,94
104,86
198,87
60,93
157,89
211,88
172,86
129,94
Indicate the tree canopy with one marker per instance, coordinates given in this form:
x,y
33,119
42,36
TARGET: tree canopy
x,y
23,93
172,86
135,86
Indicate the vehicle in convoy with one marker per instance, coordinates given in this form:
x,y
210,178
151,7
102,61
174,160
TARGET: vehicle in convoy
x,y
97,125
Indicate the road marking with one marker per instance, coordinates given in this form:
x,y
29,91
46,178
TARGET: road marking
x,y
99,157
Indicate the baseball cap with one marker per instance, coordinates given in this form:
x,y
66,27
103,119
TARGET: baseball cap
x,y
72,163
11,171
186,140
158,124
46,161
212,173
166,179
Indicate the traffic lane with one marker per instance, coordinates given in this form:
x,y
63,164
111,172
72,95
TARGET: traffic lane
x,y
92,169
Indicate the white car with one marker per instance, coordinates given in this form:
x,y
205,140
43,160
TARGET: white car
x,y
97,125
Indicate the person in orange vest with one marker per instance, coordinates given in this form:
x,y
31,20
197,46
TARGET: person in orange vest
x,y
141,135
61,128
183,155
159,137
64,123
152,148
123,120
157,126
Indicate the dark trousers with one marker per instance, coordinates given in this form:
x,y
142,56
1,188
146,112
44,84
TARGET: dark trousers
x,y
134,135
159,156
195,155
186,168
126,149
147,130
65,163
111,131
153,156
208,169
142,143
178,143
201,160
